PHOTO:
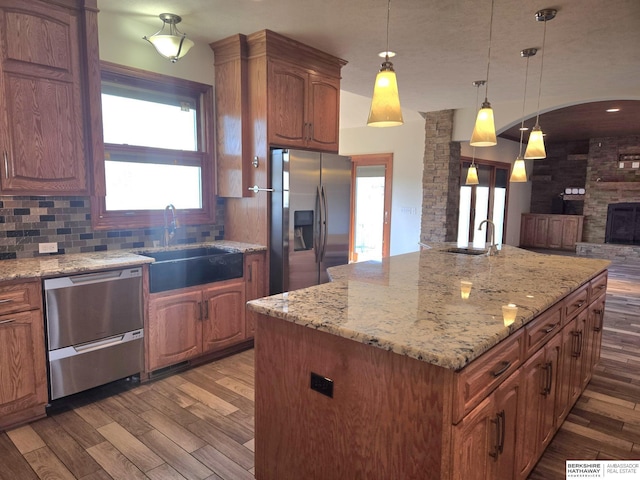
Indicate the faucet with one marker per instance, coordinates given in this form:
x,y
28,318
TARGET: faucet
x,y
170,227
493,249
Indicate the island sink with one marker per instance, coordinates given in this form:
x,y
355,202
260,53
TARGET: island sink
x,y
187,267
467,251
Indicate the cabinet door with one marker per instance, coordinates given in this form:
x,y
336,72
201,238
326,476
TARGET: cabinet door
x,y
324,112
527,231
555,232
41,128
255,286
22,363
224,322
541,231
287,104
174,328
571,232
596,324
485,440
551,389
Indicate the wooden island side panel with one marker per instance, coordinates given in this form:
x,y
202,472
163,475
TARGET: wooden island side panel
x,y
389,417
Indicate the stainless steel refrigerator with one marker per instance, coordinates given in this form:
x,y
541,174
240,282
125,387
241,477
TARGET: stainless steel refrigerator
x,y
310,217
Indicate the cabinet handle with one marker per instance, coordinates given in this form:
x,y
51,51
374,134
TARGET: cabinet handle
x,y
579,304
311,131
206,309
600,313
6,164
548,367
499,422
10,320
505,367
577,347
6,300
551,327
250,273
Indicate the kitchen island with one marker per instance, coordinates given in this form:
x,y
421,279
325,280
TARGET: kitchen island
x,y
425,365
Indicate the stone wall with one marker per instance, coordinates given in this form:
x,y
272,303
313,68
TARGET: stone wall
x,y
606,183
27,221
550,176
440,179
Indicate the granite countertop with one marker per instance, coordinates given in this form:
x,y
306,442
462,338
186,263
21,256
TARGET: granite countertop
x,y
412,304
56,265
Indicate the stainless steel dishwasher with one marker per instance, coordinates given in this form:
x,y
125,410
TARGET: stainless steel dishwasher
x,y
94,329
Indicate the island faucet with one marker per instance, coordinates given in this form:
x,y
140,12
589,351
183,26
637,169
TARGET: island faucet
x,y
170,227
493,249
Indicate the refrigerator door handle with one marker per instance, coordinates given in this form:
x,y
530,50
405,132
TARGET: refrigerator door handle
x,y
325,221
317,234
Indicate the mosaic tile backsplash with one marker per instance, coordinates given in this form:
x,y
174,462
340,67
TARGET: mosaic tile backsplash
x,y
26,222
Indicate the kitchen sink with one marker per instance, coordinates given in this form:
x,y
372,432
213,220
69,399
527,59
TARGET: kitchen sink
x,y
192,266
467,251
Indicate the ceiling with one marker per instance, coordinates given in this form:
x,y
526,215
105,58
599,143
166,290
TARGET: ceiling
x,y
592,52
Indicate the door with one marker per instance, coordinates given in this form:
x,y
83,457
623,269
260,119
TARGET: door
x,y
371,177
487,200
302,214
335,199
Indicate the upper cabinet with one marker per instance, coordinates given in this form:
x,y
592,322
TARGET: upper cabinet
x,y
44,95
271,91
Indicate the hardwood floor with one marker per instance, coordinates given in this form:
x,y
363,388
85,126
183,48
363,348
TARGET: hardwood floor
x,y
199,424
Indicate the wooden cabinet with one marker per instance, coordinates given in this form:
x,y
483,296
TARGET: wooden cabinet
x,y
485,440
44,95
23,375
270,91
304,107
550,231
255,286
186,323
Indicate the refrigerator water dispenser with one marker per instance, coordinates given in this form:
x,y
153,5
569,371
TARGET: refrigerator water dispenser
x,y
303,230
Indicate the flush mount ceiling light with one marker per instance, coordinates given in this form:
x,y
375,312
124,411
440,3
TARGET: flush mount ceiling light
x,y
385,105
172,44
472,172
519,172
535,147
484,131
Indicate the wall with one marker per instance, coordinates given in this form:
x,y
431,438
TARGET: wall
x,y
555,173
406,142
606,183
28,221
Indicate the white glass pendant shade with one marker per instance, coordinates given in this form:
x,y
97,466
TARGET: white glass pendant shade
x,y
519,172
484,131
535,147
472,176
385,105
172,44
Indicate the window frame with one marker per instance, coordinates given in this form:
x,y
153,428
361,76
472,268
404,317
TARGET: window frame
x,y
101,218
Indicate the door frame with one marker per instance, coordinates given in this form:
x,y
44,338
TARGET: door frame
x,y
385,160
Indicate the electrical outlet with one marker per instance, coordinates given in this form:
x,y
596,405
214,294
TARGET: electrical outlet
x,y
322,384
51,247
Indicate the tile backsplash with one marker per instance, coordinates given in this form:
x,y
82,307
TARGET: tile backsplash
x,y
25,222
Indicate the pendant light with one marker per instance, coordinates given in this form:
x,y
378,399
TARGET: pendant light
x,y
484,131
472,172
519,172
172,44
385,105
535,147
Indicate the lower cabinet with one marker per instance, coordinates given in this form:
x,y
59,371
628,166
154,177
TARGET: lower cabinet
x,y
23,370
256,285
190,322
540,230
485,439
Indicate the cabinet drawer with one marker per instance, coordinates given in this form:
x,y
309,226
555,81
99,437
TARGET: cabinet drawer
x,y
598,286
474,382
575,303
20,297
538,332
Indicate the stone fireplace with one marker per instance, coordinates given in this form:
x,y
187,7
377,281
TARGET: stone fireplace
x,y
623,223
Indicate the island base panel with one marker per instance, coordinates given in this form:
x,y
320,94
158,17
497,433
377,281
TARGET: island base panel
x,y
389,416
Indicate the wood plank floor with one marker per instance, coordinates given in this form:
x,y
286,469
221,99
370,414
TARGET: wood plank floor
x,y
199,424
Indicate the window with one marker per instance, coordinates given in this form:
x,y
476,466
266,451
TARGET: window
x,y
157,134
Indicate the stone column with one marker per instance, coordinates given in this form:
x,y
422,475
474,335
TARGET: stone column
x,y
440,179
